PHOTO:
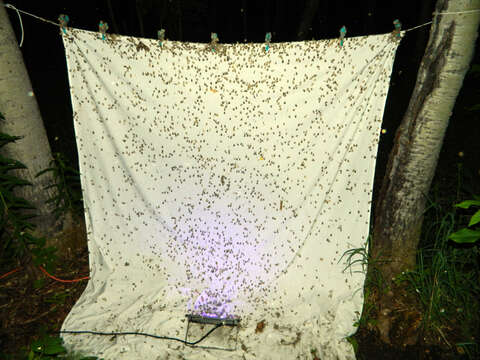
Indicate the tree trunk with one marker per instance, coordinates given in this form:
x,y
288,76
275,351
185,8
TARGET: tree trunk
x,y
424,14
413,159
116,29
244,20
20,108
369,15
180,21
304,29
139,10
279,28
267,11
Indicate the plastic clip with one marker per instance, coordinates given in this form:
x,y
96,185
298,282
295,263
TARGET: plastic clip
x,y
343,32
63,19
398,28
161,36
214,42
103,27
268,38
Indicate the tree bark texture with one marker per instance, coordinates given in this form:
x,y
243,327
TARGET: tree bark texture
x,y
244,20
418,141
139,10
311,8
116,29
20,108
180,21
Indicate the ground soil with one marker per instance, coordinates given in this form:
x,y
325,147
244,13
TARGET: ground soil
x,y
26,312
370,347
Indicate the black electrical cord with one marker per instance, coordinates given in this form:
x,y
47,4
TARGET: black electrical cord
x,y
140,333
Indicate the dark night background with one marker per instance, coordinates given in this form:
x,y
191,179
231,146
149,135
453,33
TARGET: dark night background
x,y
248,20
457,177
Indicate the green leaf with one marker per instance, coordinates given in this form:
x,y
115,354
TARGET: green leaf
x,y
73,177
11,164
467,203
54,346
14,179
475,70
31,355
6,160
354,343
475,219
37,284
49,346
44,171
8,138
475,107
464,236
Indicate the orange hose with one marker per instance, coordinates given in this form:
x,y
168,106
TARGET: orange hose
x,y
61,280
10,273
46,273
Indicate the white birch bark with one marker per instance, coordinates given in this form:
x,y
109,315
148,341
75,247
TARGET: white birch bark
x,y
19,106
418,142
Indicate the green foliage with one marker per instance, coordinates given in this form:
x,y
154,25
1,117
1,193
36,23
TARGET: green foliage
x,y
475,70
58,298
356,257
467,235
52,348
354,343
475,74
17,241
356,261
46,348
446,279
67,195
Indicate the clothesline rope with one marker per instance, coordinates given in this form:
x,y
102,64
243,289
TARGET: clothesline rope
x,y
9,6
457,12
419,26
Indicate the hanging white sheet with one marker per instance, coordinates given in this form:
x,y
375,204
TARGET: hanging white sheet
x,y
228,183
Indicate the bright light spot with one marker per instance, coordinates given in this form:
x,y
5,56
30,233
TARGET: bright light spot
x,y
461,154
30,93
384,131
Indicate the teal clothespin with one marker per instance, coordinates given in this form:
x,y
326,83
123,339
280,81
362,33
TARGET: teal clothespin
x,y
213,43
161,36
268,38
398,28
103,27
63,19
343,32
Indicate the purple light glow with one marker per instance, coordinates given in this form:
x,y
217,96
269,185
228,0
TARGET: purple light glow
x,y
228,260
214,303
223,269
